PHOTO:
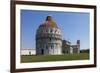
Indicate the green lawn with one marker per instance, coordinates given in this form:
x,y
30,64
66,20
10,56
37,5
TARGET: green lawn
x,y
45,58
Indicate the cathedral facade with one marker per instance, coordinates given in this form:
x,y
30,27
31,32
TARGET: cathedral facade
x,y
68,48
48,38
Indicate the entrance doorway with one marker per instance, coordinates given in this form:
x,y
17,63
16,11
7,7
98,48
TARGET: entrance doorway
x,y
42,51
29,53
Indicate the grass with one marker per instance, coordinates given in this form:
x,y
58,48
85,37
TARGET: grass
x,y
45,58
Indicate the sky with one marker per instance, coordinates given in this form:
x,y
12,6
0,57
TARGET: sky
x,y
74,26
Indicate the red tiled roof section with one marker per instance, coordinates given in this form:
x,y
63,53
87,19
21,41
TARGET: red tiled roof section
x,y
49,23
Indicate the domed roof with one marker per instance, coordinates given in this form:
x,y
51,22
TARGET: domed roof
x,y
49,23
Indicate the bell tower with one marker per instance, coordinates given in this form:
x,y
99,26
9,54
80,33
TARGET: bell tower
x,y
78,46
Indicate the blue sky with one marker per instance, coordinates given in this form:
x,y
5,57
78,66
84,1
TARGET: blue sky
x,y
74,26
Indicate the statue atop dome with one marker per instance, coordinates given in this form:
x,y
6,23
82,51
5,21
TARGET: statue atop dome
x,y
48,18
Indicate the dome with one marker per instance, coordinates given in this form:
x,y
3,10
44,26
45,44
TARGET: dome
x,y
49,23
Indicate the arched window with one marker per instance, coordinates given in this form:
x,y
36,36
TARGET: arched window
x,y
50,39
46,46
47,30
51,30
52,46
55,31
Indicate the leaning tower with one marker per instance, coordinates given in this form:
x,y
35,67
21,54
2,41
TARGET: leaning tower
x,y
48,38
78,46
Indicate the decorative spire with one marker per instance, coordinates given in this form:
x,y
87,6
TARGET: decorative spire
x,y
48,18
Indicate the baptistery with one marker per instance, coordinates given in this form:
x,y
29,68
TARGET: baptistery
x,y
48,38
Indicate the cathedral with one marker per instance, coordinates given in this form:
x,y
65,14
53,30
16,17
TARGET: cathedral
x,y
49,40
